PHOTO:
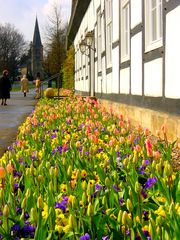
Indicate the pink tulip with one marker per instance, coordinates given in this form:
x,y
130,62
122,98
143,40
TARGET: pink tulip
x,y
149,147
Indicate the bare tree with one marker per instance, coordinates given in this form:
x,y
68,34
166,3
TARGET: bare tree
x,y
55,42
12,45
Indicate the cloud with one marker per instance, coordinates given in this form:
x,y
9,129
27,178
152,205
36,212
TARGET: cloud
x,y
64,5
22,14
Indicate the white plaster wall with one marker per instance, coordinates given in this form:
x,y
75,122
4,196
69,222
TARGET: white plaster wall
x,y
104,80
95,41
91,14
136,12
86,85
115,10
95,76
82,84
84,78
97,3
80,34
153,78
109,82
136,64
115,70
124,80
77,86
77,40
102,26
99,82
172,55
77,66
102,4
88,23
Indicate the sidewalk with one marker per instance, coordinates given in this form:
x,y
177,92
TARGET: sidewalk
x,y
13,115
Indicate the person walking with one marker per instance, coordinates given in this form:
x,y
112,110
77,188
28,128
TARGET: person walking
x,y
24,85
5,87
38,86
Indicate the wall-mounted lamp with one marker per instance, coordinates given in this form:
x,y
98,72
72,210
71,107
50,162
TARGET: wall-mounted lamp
x,y
82,46
87,42
89,38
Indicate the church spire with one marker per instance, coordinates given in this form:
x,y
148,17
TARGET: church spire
x,y
37,53
37,37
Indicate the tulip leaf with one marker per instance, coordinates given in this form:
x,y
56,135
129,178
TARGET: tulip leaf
x,y
111,198
163,188
41,230
116,234
96,205
101,174
175,190
97,219
69,235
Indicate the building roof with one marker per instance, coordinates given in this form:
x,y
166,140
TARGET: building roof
x,y
36,38
79,8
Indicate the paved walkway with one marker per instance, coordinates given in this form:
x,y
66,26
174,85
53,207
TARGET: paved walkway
x,y
13,115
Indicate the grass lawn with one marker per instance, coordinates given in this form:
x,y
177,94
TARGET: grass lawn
x,y
16,86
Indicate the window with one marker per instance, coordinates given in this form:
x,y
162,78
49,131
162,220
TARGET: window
x,y
99,40
153,26
109,32
125,30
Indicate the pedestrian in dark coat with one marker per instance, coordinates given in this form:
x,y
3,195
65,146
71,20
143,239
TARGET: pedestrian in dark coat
x,y
5,87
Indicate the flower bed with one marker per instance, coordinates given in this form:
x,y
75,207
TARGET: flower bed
x,y
63,92
79,172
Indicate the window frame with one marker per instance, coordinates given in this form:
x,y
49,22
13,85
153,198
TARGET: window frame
x,y
125,30
108,7
156,41
99,40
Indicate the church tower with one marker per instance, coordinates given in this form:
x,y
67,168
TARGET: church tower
x,y
36,53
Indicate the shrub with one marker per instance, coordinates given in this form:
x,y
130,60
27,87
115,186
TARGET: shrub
x,y
49,93
68,70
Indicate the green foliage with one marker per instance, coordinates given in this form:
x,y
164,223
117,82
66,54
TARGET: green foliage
x,y
74,176
68,69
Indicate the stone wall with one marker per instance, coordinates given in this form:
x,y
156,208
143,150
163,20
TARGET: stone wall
x,y
153,120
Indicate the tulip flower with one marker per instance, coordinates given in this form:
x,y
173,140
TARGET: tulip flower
x,y
2,172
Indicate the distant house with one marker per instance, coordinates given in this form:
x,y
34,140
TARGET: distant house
x,y
133,62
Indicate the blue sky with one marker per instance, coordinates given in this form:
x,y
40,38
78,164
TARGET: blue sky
x,y
22,14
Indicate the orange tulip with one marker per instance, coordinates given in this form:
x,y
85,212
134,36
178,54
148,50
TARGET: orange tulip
x,y
157,154
138,148
2,172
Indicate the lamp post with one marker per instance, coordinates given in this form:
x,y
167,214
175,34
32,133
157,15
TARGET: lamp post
x,y
84,45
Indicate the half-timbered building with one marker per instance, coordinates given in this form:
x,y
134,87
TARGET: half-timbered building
x,y
131,61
